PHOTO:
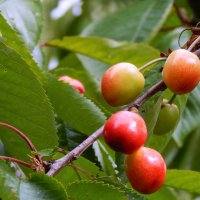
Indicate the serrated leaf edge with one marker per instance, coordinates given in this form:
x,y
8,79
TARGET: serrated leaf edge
x,y
96,182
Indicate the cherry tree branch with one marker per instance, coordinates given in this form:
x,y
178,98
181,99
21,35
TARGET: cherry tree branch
x,y
76,152
150,92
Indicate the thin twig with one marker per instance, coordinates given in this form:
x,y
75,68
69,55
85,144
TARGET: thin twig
x,y
23,136
182,16
76,152
16,161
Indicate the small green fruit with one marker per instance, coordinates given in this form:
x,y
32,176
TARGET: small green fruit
x,y
167,118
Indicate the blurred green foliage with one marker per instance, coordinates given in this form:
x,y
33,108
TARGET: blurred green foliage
x,y
86,37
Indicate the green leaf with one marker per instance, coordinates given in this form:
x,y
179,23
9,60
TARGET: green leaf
x,y
80,169
107,50
96,72
190,119
24,105
186,157
183,180
25,17
102,8
71,106
105,158
89,189
139,21
164,193
172,21
41,187
119,160
45,152
10,38
129,192
9,183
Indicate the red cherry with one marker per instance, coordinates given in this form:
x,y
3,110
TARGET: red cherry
x,y
146,170
181,72
125,132
76,84
121,84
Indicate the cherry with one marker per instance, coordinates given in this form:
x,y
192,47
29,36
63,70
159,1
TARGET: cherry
x,y
76,84
146,170
167,118
121,84
181,72
125,132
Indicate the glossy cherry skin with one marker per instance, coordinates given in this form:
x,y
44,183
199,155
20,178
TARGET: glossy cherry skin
x,y
146,170
125,132
181,72
76,84
167,119
121,84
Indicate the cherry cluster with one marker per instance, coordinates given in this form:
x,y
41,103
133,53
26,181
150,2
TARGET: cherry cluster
x,y
126,131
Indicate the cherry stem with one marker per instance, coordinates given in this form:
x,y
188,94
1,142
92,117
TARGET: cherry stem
x,y
16,161
23,136
76,152
151,62
172,99
194,44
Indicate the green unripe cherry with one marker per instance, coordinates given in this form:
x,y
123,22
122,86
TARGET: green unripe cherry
x,y
167,118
